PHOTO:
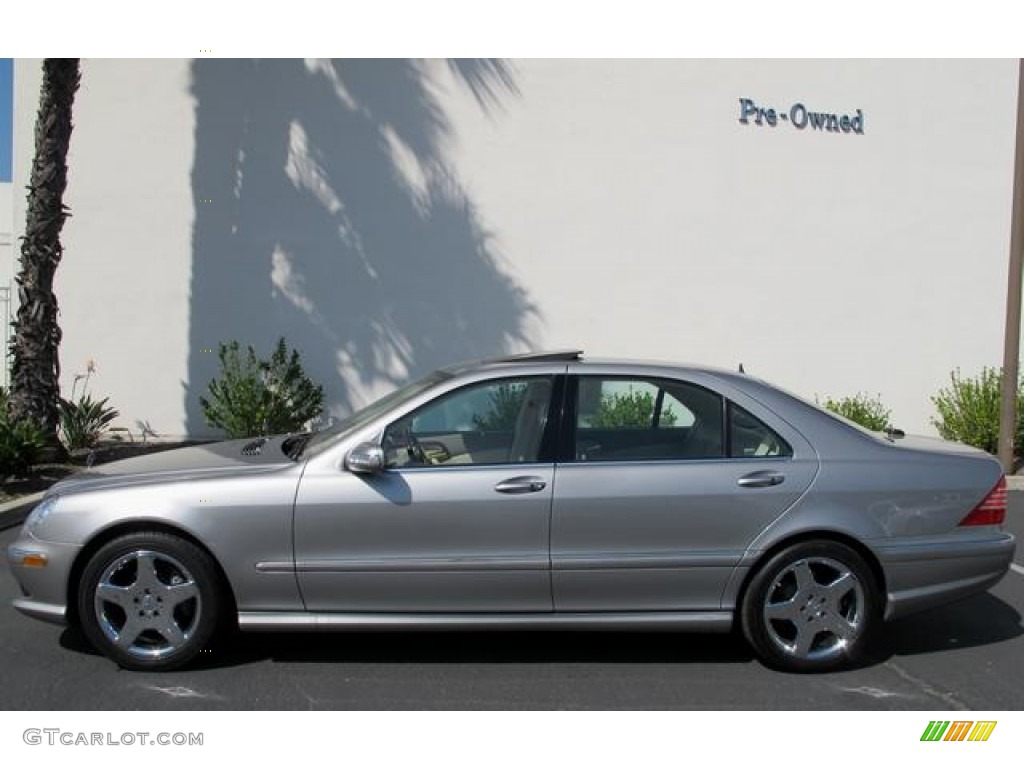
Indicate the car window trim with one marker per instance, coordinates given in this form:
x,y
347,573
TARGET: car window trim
x,y
551,440
659,402
567,444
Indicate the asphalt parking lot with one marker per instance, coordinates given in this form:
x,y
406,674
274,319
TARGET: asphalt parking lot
x,y
964,656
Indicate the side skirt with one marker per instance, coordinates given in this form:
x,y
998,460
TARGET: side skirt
x,y
695,621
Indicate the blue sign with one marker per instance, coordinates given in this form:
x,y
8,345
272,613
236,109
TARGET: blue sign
x,y
801,118
6,114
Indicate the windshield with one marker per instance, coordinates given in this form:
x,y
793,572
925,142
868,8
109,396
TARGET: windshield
x,y
322,439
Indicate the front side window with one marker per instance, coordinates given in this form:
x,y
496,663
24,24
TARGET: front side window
x,y
492,422
321,441
627,419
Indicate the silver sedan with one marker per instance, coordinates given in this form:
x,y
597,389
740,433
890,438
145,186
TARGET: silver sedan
x,y
537,492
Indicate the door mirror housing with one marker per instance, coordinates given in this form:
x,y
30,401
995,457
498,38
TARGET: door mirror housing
x,y
365,459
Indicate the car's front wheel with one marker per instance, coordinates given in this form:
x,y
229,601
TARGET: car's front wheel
x,y
811,607
149,601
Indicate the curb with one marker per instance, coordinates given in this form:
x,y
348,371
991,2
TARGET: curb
x,y
14,512
1015,482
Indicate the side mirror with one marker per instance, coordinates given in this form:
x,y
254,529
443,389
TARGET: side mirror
x,y
365,459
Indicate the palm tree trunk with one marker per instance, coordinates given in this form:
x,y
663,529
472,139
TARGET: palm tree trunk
x,y
35,368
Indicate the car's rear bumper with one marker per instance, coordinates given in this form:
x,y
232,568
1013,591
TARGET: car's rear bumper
x,y
930,573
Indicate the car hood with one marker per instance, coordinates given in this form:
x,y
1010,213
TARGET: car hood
x,y
229,458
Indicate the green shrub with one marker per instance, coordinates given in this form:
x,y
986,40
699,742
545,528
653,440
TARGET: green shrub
x,y
261,397
20,442
83,422
506,402
630,409
862,409
969,410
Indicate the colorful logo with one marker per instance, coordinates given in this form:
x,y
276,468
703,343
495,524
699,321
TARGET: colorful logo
x,y
958,730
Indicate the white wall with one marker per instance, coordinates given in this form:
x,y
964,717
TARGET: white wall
x,y
647,221
387,219
6,226
122,285
6,208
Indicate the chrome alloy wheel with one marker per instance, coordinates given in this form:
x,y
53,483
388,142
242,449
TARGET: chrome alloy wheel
x,y
147,604
814,609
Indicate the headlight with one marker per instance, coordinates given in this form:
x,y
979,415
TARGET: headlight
x,y
36,516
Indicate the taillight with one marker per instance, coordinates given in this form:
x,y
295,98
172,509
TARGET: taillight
x,y
992,509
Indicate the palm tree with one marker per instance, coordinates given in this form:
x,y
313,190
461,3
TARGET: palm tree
x,y
35,367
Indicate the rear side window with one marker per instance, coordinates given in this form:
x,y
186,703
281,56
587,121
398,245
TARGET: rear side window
x,y
629,419
751,438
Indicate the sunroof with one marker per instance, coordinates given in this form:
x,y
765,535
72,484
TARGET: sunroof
x,y
567,355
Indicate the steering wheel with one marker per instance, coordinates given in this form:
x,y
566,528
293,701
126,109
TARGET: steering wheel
x,y
398,438
414,449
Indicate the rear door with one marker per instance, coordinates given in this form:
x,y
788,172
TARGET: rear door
x,y
661,486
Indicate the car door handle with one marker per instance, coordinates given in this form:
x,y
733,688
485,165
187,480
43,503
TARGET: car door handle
x,y
762,479
526,484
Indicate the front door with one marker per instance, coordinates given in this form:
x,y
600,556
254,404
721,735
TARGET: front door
x,y
458,522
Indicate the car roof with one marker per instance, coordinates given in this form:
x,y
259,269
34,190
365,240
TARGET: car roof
x,y
576,357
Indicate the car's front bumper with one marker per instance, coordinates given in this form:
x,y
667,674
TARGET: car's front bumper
x,y
925,574
42,570
53,614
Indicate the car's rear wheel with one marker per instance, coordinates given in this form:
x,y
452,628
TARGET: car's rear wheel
x,y
149,601
811,607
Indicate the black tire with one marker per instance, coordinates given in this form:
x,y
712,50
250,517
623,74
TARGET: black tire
x,y
811,607
150,601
